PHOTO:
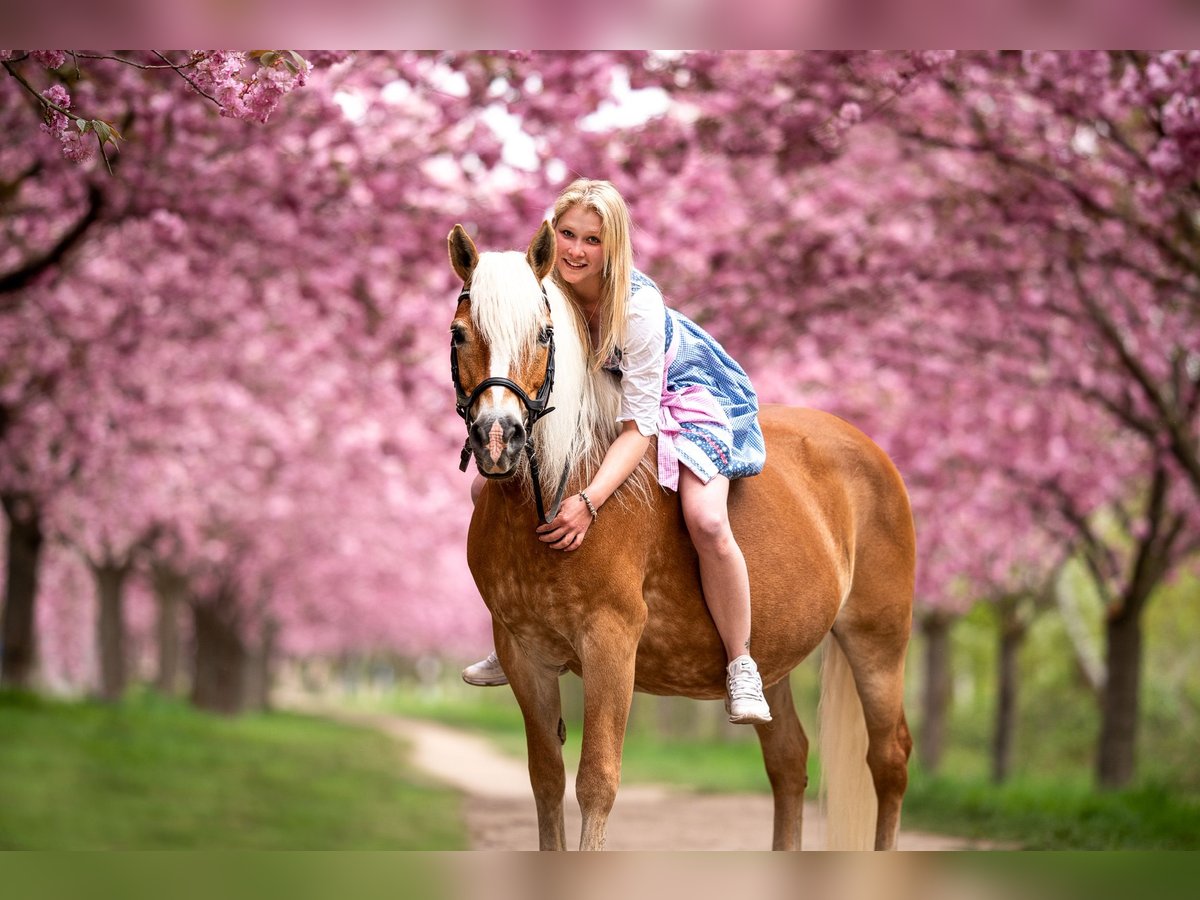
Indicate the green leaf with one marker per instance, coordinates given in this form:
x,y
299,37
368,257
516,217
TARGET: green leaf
x,y
105,132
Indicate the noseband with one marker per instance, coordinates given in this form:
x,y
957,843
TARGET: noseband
x,y
535,408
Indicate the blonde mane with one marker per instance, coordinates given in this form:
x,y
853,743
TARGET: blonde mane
x,y
507,308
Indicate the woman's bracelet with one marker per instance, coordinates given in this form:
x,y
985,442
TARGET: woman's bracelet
x,y
591,508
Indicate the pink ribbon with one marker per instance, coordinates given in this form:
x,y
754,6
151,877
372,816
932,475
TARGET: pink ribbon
x,y
692,404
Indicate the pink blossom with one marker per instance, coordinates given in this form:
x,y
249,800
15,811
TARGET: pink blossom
x,y
51,59
76,146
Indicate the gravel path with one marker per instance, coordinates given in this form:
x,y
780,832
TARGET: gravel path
x,y
500,811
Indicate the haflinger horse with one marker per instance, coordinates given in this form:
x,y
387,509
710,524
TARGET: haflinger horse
x,y
826,530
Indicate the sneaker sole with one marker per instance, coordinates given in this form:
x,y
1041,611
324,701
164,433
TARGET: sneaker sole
x,y
750,720
485,682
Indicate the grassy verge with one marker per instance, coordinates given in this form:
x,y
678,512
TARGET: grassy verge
x,y
1058,813
1064,814
152,774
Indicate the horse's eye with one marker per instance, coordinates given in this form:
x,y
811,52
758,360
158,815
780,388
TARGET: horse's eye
x,y
458,335
544,336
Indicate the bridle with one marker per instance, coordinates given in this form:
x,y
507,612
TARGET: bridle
x,y
535,408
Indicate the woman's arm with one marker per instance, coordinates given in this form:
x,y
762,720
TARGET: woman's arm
x,y
567,530
619,462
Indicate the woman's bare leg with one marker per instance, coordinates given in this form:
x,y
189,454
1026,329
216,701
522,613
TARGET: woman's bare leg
x,y
726,586
722,565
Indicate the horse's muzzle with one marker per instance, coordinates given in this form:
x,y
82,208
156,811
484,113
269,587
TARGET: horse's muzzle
x,y
497,440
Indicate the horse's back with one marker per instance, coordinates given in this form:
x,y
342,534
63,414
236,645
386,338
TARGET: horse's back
x,y
818,453
827,500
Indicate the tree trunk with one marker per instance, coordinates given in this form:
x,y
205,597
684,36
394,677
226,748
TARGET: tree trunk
x,y
219,679
1117,748
1013,629
18,646
1116,757
169,587
260,671
110,630
935,697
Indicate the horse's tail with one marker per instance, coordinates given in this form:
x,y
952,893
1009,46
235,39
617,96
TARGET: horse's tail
x,y
847,793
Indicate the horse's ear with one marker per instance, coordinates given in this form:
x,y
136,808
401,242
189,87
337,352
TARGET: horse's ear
x,y
463,255
541,251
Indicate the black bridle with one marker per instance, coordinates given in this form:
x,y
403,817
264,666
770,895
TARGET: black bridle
x,y
535,408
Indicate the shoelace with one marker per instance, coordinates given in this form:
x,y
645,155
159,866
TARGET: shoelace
x,y
745,685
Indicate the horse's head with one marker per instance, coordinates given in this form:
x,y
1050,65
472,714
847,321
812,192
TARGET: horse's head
x,y
502,347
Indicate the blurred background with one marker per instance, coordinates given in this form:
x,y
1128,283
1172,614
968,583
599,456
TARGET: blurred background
x,y
228,453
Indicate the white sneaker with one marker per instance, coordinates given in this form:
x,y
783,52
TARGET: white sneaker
x,y
485,673
746,704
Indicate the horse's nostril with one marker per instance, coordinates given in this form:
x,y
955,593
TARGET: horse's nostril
x,y
479,433
494,436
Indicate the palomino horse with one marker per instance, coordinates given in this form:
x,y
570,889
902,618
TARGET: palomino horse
x,y
826,530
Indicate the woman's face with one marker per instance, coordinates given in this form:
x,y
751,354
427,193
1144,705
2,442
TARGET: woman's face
x,y
580,251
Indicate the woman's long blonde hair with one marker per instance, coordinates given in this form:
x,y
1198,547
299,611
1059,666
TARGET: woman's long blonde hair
x,y
615,225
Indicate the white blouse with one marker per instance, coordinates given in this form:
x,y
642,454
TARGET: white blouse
x,y
642,360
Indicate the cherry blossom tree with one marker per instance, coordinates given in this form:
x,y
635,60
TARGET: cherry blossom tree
x,y
225,350
1084,246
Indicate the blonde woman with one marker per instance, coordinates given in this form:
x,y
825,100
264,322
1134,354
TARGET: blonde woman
x,y
676,382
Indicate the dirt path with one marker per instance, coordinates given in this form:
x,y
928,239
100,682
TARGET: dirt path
x,y
500,812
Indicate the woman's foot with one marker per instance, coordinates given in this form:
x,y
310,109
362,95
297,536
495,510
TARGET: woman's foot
x,y
746,704
485,673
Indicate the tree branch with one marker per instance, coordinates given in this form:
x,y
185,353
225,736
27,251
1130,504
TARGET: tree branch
x,y
1183,259
137,65
11,282
46,102
184,76
1182,443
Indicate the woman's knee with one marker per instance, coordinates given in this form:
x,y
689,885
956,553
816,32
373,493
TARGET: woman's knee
x,y
707,522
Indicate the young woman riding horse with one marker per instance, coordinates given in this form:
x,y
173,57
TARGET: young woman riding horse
x,y
677,383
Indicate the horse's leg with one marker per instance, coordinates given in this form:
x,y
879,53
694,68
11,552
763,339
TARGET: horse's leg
x,y
606,655
785,754
876,658
536,688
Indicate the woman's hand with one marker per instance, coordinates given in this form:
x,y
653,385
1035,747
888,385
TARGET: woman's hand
x,y
567,529
574,518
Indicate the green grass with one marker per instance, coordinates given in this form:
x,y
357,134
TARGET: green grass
x,y
153,774
1034,814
